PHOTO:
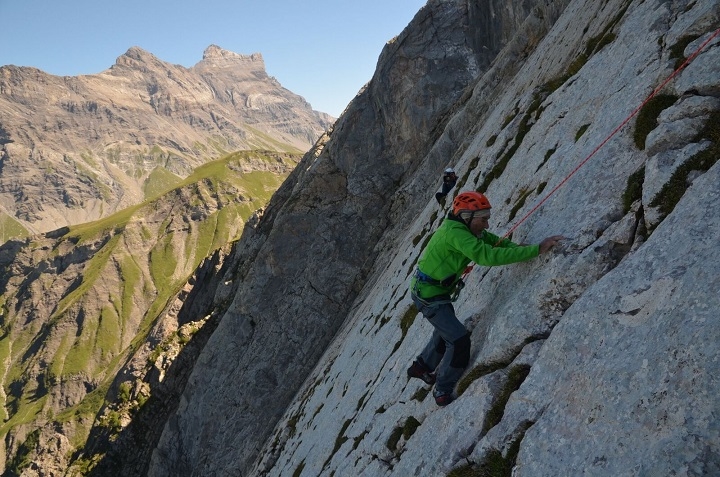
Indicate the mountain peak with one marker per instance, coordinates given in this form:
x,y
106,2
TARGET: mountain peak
x,y
135,55
218,57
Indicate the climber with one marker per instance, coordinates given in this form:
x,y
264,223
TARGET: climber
x,y
449,179
460,239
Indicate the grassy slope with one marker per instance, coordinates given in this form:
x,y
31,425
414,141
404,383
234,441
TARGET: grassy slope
x,y
106,304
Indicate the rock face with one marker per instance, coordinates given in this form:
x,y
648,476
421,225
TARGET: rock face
x,y
600,357
74,149
335,209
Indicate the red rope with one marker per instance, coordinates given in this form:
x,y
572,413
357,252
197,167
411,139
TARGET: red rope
x,y
615,131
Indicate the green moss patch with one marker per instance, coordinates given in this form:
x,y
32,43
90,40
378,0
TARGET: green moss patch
x,y
519,204
633,189
494,464
339,441
515,378
476,373
677,51
421,394
299,469
646,119
675,188
405,323
548,154
406,430
581,131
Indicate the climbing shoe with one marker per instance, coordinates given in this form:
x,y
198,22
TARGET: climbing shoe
x,y
420,371
443,399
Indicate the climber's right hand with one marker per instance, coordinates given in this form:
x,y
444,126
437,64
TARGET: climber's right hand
x,y
549,243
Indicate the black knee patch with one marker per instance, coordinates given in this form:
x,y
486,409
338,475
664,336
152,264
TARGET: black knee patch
x,y
461,353
440,347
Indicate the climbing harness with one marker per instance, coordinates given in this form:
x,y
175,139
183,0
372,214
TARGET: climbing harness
x,y
615,131
451,281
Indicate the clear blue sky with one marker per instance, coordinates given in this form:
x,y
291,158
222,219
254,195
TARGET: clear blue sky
x,y
323,50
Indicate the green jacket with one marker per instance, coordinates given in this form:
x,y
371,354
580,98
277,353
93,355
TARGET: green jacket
x,y
452,247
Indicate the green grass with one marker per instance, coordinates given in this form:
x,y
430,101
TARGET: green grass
x,y
548,154
159,181
131,278
89,159
11,229
299,469
265,141
260,184
109,334
90,231
28,409
394,438
508,119
163,261
593,45
421,394
91,273
494,464
22,459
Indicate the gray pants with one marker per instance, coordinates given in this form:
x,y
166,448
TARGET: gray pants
x,y
448,350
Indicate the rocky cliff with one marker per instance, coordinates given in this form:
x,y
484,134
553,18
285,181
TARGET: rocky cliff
x,y
599,358
75,149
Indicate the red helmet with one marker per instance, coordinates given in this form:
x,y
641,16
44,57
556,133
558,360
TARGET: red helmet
x,y
470,201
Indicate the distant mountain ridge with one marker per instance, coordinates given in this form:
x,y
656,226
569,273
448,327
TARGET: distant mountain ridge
x,y
77,148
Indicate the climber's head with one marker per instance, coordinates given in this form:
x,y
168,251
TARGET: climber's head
x,y
474,209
